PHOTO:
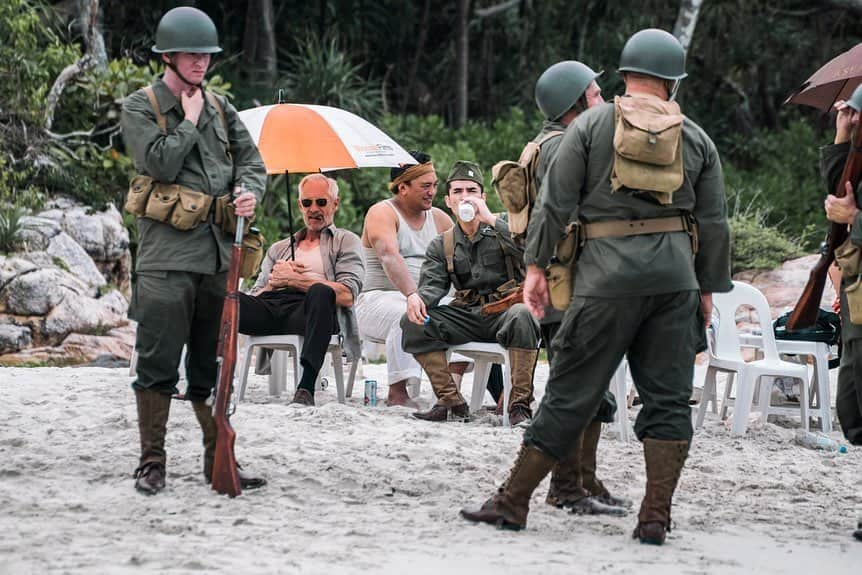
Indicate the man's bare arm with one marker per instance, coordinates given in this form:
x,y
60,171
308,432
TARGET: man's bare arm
x,y
382,233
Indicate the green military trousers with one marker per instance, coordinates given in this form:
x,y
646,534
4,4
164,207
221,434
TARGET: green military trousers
x,y
658,333
608,407
848,400
450,325
173,309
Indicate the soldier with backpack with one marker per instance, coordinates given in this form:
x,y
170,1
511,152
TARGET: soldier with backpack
x,y
653,244
479,259
563,91
193,155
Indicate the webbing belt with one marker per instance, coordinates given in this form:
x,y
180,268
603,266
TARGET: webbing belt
x,y
622,228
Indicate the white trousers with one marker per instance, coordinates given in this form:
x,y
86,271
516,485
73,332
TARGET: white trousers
x,y
379,314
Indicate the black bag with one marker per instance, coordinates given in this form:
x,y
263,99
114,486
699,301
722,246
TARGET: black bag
x,y
827,329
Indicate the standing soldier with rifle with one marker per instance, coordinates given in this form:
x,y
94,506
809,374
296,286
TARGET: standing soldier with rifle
x,y
639,175
192,153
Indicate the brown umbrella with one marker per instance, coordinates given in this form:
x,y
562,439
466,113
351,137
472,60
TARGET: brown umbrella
x,y
834,81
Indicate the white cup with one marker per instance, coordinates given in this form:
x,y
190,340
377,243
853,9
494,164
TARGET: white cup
x,y
466,211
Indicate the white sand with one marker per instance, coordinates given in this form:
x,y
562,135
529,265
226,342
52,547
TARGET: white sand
x,y
359,490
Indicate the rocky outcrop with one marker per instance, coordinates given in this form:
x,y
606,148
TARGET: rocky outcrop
x,y
783,285
64,296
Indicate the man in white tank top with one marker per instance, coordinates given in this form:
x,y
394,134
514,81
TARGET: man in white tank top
x,y
395,236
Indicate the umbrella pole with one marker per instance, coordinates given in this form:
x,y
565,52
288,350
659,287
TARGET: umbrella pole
x,y
289,216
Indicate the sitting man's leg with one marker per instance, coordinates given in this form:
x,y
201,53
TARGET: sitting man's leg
x,y
379,315
517,331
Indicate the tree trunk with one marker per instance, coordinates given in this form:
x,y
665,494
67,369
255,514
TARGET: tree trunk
x,y
249,37
686,20
91,28
462,62
267,45
417,56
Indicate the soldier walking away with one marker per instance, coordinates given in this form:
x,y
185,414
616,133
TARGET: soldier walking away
x,y
643,283
563,92
191,152
478,258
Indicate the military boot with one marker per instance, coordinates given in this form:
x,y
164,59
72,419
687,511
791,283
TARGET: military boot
x,y
153,410
567,490
450,404
593,485
523,365
664,463
204,415
508,508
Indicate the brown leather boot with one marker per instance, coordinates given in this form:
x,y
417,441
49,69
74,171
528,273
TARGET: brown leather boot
x,y
593,485
567,490
153,410
450,404
523,365
204,415
664,463
508,508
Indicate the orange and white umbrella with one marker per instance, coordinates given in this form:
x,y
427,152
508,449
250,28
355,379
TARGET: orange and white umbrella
x,y
302,138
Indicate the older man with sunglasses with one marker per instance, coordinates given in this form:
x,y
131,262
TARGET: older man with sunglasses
x,y
307,286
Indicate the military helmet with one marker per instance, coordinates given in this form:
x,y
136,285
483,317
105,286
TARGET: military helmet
x,y
855,100
561,86
186,29
463,170
655,53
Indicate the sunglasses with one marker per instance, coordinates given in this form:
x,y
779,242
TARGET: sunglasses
x,y
321,202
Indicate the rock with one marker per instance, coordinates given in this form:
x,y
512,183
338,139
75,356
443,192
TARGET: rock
x,y
13,337
37,292
112,349
12,267
783,285
36,232
82,314
74,259
101,234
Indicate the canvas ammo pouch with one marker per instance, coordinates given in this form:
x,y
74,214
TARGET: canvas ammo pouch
x,y
252,252
559,272
848,257
225,215
648,146
181,207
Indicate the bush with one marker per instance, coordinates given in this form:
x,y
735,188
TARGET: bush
x,y
754,243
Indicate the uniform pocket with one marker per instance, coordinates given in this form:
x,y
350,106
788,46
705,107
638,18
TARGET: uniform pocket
x,y
139,192
161,203
191,209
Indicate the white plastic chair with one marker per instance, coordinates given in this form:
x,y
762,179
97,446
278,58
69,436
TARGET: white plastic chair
x,y
292,344
619,389
485,354
725,356
819,394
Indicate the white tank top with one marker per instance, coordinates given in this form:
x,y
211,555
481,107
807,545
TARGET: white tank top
x,y
412,245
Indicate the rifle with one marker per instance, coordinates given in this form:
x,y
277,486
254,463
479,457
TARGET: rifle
x,y
225,477
807,308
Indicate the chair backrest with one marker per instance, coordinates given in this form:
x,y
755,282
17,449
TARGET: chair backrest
x,y
726,344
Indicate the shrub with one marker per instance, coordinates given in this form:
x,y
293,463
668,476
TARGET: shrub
x,y
754,243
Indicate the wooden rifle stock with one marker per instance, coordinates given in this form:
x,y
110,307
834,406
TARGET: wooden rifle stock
x,y
808,307
225,477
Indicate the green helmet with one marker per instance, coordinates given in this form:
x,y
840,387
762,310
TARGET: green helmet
x,y
561,86
855,100
655,53
186,29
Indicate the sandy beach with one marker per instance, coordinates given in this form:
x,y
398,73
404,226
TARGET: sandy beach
x,y
354,489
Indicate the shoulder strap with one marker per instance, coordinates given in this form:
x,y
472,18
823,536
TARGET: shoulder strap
x,y
449,249
548,136
154,104
217,105
507,257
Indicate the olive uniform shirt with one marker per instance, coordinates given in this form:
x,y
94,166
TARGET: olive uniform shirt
x,y
579,178
478,263
196,157
832,160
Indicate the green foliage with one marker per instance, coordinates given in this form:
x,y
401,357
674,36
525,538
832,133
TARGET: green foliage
x,y
778,171
756,244
319,72
10,225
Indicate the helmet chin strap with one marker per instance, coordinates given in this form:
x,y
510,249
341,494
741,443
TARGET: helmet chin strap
x,y
673,89
170,64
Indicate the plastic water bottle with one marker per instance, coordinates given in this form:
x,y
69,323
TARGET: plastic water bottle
x,y
466,211
818,441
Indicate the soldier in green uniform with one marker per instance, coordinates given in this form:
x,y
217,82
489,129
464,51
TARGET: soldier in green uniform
x,y
642,286
848,400
481,259
188,147
563,91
